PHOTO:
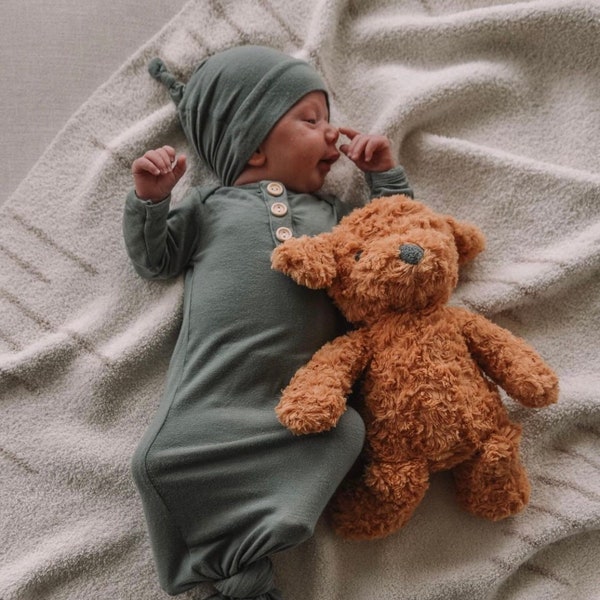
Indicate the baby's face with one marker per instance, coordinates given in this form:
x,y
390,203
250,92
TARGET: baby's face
x,y
300,148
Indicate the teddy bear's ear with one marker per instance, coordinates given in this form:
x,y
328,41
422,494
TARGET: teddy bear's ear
x,y
469,240
309,261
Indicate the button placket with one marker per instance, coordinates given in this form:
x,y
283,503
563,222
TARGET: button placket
x,y
280,218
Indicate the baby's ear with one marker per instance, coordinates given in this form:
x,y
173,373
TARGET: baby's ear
x,y
257,159
309,261
469,239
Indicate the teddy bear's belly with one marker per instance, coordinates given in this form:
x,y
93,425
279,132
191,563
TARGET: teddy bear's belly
x,y
441,411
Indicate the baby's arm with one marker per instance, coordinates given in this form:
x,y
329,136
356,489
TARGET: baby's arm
x,y
157,172
160,239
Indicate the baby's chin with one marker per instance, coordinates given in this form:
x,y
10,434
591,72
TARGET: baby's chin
x,y
306,187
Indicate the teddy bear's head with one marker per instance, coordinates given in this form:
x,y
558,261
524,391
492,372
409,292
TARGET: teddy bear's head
x,y
393,255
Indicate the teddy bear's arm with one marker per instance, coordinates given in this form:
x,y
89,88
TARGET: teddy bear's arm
x,y
510,362
315,398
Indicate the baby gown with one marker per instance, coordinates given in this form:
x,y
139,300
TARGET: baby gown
x,y
223,484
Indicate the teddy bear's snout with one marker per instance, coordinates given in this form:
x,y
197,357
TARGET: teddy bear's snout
x,y
411,253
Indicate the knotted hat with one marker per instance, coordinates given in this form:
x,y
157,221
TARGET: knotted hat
x,y
233,99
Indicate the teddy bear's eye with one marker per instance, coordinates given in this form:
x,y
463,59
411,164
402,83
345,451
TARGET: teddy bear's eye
x,y
358,255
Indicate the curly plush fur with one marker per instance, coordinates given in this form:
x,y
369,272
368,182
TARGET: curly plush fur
x,y
428,371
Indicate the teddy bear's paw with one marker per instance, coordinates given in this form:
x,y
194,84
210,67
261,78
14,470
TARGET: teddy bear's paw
x,y
357,513
541,393
499,499
494,484
302,424
302,413
538,388
304,419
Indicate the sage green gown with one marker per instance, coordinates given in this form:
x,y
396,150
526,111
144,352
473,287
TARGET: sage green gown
x,y
223,483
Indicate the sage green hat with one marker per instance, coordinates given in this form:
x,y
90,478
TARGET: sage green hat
x,y
233,99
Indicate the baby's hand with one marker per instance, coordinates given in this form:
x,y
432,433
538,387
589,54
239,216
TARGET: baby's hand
x,y
368,152
156,173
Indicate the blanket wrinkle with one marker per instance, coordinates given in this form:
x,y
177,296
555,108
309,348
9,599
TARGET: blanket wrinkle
x,y
493,108
563,175
436,96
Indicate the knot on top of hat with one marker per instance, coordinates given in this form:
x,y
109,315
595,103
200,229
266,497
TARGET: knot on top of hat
x,y
159,71
255,581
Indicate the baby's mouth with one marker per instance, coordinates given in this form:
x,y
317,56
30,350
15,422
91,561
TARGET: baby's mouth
x,y
329,159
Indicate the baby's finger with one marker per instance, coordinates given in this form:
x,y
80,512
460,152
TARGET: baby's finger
x,y
161,159
179,166
373,144
348,132
171,157
144,165
169,154
357,147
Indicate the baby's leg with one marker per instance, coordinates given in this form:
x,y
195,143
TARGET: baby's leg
x,y
216,511
493,483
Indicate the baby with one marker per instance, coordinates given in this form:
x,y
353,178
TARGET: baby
x,y
224,485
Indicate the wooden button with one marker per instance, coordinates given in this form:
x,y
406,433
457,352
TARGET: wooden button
x,y
274,188
283,233
279,209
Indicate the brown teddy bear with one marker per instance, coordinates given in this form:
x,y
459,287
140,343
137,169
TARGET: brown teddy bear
x,y
427,371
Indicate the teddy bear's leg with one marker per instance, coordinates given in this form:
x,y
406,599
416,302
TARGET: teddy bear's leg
x,y
380,502
493,484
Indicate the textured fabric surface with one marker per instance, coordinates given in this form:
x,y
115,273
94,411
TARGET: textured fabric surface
x,y
494,112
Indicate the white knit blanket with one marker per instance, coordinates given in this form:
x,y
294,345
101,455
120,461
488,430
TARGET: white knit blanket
x,y
494,111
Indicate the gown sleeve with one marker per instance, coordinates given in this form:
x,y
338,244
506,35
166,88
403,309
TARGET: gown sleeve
x,y
389,183
160,240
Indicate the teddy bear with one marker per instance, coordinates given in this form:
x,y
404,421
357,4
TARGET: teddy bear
x,y
426,373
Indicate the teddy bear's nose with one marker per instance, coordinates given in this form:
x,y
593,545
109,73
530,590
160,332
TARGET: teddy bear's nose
x,y
411,253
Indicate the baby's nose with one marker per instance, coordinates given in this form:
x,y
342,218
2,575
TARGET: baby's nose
x,y
332,134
